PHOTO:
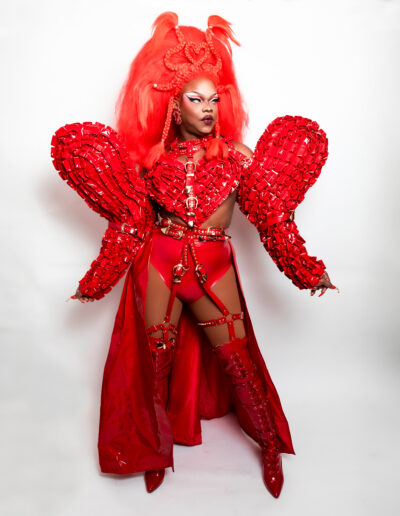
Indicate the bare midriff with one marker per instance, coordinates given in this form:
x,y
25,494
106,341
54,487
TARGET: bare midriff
x,y
221,218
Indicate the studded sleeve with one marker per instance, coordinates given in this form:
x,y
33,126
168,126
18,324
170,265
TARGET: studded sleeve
x,y
91,158
287,161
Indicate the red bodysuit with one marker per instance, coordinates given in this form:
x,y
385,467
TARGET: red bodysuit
x,y
170,184
136,431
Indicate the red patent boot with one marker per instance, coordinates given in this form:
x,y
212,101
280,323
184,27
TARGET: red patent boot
x,y
238,365
153,479
163,355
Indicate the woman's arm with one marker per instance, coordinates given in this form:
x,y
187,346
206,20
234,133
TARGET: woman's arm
x,y
94,162
287,161
118,250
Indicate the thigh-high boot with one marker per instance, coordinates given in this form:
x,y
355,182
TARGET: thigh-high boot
x,y
238,365
163,353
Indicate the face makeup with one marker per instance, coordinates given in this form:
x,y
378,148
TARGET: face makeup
x,y
199,108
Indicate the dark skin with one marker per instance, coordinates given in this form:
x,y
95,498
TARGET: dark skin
x,y
199,98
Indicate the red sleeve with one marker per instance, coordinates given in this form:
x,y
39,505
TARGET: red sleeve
x,y
287,161
93,161
116,254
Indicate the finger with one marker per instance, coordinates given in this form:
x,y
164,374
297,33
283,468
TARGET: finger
x,y
323,291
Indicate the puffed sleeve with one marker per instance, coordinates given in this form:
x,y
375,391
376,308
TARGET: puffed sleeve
x,y
287,161
91,158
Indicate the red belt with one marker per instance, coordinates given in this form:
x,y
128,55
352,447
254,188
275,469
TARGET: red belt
x,y
123,227
179,231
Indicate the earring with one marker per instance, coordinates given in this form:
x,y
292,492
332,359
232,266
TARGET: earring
x,y
177,116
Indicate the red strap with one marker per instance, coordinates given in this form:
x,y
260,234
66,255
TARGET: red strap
x,y
178,271
125,228
224,320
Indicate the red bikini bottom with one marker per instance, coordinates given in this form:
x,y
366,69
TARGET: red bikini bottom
x,y
166,252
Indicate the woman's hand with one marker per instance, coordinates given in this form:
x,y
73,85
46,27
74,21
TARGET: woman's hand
x,y
83,299
324,283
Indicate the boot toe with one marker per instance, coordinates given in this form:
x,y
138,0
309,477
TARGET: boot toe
x,y
273,477
153,479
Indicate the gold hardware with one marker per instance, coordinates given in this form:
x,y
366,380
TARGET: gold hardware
x,y
189,163
192,197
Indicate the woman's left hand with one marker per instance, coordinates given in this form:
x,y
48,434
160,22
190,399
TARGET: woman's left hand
x,y
324,283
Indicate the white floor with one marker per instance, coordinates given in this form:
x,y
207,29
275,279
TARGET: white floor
x,y
346,456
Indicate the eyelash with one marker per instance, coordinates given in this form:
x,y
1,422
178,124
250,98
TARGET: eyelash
x,y
193,99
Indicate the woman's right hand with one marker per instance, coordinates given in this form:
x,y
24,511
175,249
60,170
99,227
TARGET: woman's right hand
x,y
80,297
324,283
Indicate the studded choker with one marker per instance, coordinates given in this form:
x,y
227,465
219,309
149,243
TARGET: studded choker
x,y
189,147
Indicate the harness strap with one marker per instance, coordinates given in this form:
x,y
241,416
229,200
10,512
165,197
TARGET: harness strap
x,y
179,270
224,320
165,341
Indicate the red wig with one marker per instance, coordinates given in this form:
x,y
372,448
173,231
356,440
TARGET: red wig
x,y
172,57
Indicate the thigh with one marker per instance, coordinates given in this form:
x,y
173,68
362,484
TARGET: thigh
x,y
157,298
204,309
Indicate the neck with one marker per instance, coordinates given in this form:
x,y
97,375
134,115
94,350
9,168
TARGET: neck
x,y
190,146
193,137
186,134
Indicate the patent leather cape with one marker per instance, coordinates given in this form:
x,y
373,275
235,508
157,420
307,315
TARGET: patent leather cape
x,y
136,433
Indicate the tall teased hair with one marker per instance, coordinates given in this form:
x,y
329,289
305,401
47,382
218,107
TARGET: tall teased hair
x,y
141,110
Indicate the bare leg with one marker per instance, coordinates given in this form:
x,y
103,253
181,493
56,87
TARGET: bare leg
x,y
205,309
157,298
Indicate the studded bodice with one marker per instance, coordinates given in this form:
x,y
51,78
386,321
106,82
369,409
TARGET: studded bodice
x,y
214,180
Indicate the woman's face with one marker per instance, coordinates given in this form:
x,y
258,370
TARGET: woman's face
x,y
198,104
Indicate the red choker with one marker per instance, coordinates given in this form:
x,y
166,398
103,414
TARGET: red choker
x,y
189,147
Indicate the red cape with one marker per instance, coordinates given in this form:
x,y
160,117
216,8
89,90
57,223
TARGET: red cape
x,y
136,433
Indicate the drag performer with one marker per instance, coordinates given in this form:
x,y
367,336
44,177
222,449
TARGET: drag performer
x,y
183,346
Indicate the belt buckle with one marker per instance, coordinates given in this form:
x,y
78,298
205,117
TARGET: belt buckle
x,y
177,236
192,197
165,229
123,229
210,235
133,231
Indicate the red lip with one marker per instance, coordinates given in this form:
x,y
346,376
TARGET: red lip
x,y
208,117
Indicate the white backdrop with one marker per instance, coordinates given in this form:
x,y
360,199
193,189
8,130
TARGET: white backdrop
x,y
334,359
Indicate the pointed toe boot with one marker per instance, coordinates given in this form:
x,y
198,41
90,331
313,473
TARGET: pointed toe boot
x,y
245,379
153,479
